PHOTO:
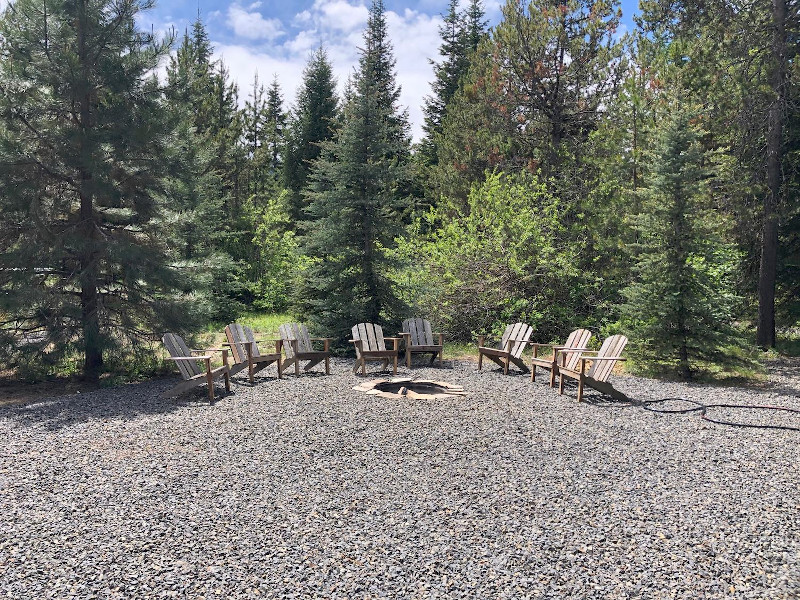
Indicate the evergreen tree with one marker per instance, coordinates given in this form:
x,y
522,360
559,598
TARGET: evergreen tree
x,y
275,121
460,33
355,198
83,143
312,123
680,308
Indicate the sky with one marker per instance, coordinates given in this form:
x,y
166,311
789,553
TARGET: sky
x,y
274,38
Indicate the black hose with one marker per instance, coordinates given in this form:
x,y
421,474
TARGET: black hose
x,y
703,408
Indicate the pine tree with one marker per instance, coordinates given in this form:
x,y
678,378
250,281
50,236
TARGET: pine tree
x,y
355,199
312,123
460,33
275,121
83,145
680,308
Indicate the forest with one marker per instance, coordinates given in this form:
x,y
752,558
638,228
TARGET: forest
x,y
568,176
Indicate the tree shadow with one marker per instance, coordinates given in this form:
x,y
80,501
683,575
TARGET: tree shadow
x,y
125,402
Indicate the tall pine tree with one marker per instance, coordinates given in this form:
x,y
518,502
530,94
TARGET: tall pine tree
x,y
312,123
354,196
680,308
83,143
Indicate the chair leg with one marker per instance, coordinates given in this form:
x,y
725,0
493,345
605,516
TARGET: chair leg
x,y
560,384
480,360
505,368
363,366
408,357
580,389
250,371
280,369
210,381
227,382
297,367
327,366
395,364
533,372
553,369
440,357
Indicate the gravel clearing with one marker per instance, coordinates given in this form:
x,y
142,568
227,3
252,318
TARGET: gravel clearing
x,y
303,488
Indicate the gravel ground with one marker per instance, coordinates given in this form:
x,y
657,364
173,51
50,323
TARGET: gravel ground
x,y
303,488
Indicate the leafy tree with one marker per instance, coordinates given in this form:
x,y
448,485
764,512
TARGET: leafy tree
x,y
680,307
83,143
500,259
311,124
354,195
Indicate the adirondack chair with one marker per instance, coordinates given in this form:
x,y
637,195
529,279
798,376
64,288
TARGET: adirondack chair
x,y
298,346
244,347
509,350
418,338
371,345
188,364
577,340
596,377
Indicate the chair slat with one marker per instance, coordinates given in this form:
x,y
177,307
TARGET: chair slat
x,y
380,344
612,346
177,348
303,339
577,339
427,337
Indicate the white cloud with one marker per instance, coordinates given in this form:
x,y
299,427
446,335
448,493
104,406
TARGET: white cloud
x,y
252,25
338,25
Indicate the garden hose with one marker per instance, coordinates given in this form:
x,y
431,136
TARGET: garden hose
x,y
703,410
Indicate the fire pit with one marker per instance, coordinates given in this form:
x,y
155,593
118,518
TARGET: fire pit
x,y
415,389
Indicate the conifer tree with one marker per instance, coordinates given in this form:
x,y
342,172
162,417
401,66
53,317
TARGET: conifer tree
x,y
312,123
460,33
355,198
275,130
83,146
680,307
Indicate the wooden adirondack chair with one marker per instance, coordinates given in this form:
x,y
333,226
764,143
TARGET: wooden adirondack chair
x,y
509,350
244,347
371,345
577,340
188,364
418,338
596,377
298,346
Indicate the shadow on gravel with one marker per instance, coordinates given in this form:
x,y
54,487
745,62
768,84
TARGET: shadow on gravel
x,y
126,402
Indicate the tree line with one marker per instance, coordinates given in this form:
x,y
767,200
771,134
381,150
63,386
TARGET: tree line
x,y
568,176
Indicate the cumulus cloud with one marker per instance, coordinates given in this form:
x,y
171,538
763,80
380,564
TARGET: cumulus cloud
x,y
248,23
337,25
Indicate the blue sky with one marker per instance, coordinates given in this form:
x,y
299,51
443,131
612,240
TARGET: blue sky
x,y
276,37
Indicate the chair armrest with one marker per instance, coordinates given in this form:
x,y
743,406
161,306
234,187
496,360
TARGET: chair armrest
x,y
202,357
619,358
481,340
441,338
395,342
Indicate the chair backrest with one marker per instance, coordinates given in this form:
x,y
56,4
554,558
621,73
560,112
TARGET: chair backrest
x,y
521,334
371,336
237,335
177,348
420,330
577,339
295,331
612,346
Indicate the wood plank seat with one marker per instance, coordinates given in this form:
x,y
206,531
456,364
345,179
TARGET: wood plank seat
x,y
596,377
188,362
246,354
418,338
298,346
577,340
509,350
371,346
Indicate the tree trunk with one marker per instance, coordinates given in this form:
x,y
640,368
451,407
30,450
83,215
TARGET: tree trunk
x,y
765,335
93,356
